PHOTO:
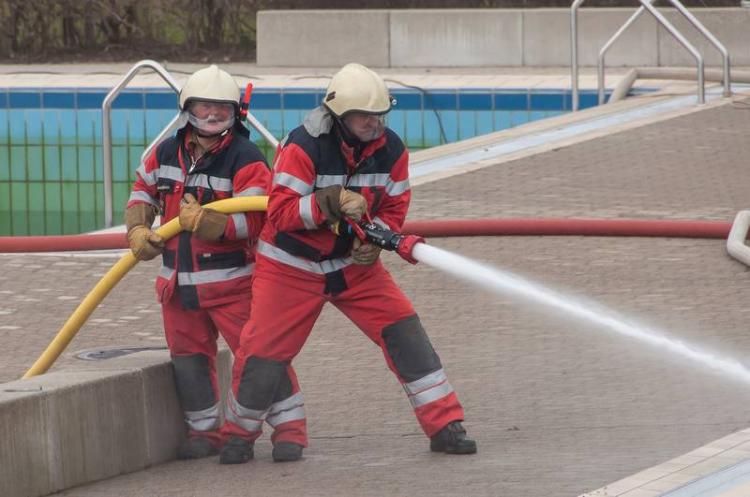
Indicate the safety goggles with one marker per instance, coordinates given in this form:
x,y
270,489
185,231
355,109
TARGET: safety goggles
x,y
366,127
211,117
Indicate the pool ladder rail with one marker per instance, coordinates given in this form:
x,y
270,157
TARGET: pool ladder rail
x,y
646,5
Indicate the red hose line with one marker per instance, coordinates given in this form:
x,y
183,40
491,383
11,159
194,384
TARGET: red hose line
x,y
569,227
62,243
434,229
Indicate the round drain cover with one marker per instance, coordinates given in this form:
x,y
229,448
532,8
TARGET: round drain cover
x,y
109,353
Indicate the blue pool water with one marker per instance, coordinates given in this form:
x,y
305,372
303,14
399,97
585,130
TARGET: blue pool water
x,y
50,140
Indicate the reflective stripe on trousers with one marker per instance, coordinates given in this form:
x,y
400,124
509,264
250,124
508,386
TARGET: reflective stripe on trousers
x,y
290,409
205,420
247,419
428,388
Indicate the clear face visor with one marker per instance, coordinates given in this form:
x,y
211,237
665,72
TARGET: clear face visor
x,y
212,118
366,127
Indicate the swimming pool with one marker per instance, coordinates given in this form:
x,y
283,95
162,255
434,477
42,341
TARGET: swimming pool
x,y
50,139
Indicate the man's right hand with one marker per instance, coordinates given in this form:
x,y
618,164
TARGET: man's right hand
x,y
144,243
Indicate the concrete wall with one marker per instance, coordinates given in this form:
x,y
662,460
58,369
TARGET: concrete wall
x,y
325,37
723,25
487,37
471,38
68,428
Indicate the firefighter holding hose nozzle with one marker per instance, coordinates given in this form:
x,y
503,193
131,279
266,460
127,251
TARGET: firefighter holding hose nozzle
x,y
343,163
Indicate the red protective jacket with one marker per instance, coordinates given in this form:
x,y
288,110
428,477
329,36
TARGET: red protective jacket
x,y
310,159
207,273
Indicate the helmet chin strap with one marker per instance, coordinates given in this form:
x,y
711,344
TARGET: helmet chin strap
x,y
215,135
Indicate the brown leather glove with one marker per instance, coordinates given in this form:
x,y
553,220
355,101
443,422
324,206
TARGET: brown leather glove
x,y
352,204
335,202
144,243
365,254
328,200
205,223
140,214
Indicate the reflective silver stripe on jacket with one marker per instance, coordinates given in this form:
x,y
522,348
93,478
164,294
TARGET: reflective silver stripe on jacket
x,y
375,179
142,196
213,275
251,192
205,420
306,211
240,225
428,389
207,276
289,181
394,188
324,180
247,419
148,178
210,182
171,172
323,267
290,409
165,272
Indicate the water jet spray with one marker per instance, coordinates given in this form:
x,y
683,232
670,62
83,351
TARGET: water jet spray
x,y
414,249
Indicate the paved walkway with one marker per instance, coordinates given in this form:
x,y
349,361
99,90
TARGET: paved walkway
x,y
559,407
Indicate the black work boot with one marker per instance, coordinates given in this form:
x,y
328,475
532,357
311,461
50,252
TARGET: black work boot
x,y
236,451
196,448
452,439
286,452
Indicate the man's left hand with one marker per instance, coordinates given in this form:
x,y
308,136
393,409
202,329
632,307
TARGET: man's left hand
x,y
365,254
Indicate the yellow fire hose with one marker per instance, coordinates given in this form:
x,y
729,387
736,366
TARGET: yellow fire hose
x,y
116,273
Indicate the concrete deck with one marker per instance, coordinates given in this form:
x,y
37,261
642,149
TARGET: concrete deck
x,y
106,76
558,407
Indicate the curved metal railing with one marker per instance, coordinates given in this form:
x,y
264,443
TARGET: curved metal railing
x,y
646,5
107,127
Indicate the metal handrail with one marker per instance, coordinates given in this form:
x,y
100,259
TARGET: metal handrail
x,y
691,18
574,52
605,48
107,128
176,122
250,118
645,5
711,38
683,41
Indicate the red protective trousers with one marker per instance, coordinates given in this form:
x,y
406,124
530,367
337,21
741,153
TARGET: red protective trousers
x,y
286,303
191,336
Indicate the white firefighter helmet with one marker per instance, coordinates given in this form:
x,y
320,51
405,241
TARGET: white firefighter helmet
x,y
356,88
213,85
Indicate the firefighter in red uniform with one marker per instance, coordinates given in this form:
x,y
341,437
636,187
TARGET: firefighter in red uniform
x,y
204,282
342,162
